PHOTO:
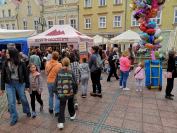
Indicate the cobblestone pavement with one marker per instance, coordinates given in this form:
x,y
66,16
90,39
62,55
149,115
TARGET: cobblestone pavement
x,y
118,111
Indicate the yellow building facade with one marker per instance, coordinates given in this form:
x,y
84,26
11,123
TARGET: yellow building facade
x,y
112,17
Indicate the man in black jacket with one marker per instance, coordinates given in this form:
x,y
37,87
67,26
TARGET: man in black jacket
x,y
113,59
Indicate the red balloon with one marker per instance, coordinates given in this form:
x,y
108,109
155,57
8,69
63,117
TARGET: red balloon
x,y
150,31
143,28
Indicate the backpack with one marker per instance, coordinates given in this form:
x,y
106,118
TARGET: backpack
x,y
98,62
65,84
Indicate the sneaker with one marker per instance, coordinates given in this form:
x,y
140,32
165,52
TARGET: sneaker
x,y
28,114
73,117
50,111
121,87
141,90
137,90
13,123
76,106
171,95
126,89
168,97
33,115
60,125
56,114
83,96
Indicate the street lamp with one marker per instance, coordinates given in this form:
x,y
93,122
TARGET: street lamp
x,y
42,20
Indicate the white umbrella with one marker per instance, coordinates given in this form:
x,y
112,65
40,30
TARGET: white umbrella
x,y
98,40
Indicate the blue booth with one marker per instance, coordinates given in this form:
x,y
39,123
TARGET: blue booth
x,y
21,44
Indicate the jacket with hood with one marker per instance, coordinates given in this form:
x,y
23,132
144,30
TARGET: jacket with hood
x,y
52,68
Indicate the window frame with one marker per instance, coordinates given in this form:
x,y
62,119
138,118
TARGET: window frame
x,y
117,3
75,23
102,22
87,6
3,13
7,26
9,13
156,18
61,20
87,23
119,15
133,20
50,25
60,3
25,25
36,25
175,15
100,3
13,26
29,8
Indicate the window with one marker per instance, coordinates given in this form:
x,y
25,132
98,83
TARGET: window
x,y
73,23
134,22
3,13
25,25
61,22
36,25
13,26
2,26
102,2
29,9
102,22
158,18
117,2
50,24
87,23
87,3
7,25
117,21
9,12
60,2
175,15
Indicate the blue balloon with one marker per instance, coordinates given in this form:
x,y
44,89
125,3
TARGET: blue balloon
x,y
151,39
151,24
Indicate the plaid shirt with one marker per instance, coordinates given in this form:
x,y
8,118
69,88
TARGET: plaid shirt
x,y
75,69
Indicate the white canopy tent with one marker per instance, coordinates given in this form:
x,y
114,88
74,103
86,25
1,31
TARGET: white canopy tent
x,y
61,34
126,37
99,40
8,34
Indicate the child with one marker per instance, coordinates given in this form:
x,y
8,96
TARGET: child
x,y
84,72
139,76
35,88
65,88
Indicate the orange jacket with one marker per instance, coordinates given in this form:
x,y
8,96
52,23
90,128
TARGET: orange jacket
x,y
51,70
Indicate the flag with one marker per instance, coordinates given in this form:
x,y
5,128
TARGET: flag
x,y
2,2
17,2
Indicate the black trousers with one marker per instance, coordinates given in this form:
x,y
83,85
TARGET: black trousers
x,y
169,87
95,77
71,110
113,70
35,95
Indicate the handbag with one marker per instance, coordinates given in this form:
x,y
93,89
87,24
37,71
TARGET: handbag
x,y
168,75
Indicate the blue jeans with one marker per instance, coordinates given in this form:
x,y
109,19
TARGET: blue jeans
x,y
51,96
123,78
11,89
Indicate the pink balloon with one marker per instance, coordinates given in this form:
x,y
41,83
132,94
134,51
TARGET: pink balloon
x,y
153,55
155,4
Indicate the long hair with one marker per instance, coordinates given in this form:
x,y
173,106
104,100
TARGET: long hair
x,y
14,56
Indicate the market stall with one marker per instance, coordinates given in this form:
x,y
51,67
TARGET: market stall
x,y
100,41
17,37
61,36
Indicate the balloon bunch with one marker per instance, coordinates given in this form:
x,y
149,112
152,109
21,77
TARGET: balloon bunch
x,y
144,11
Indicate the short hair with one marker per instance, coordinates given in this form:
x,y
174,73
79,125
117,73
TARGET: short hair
x,y
115,49
84,60
66,62
125,53
95,48
55,55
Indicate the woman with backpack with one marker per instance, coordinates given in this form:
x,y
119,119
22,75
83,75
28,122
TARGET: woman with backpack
x,y
65,88
95,69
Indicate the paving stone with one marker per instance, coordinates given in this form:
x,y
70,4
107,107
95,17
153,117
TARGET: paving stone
x,y
152,128
132,125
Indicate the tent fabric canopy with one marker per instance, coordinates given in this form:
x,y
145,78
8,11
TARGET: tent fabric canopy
x,y
23,41
59,34
127,37
98,40
8,34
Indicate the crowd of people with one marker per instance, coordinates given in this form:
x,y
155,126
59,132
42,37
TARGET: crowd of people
x,y
65,74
